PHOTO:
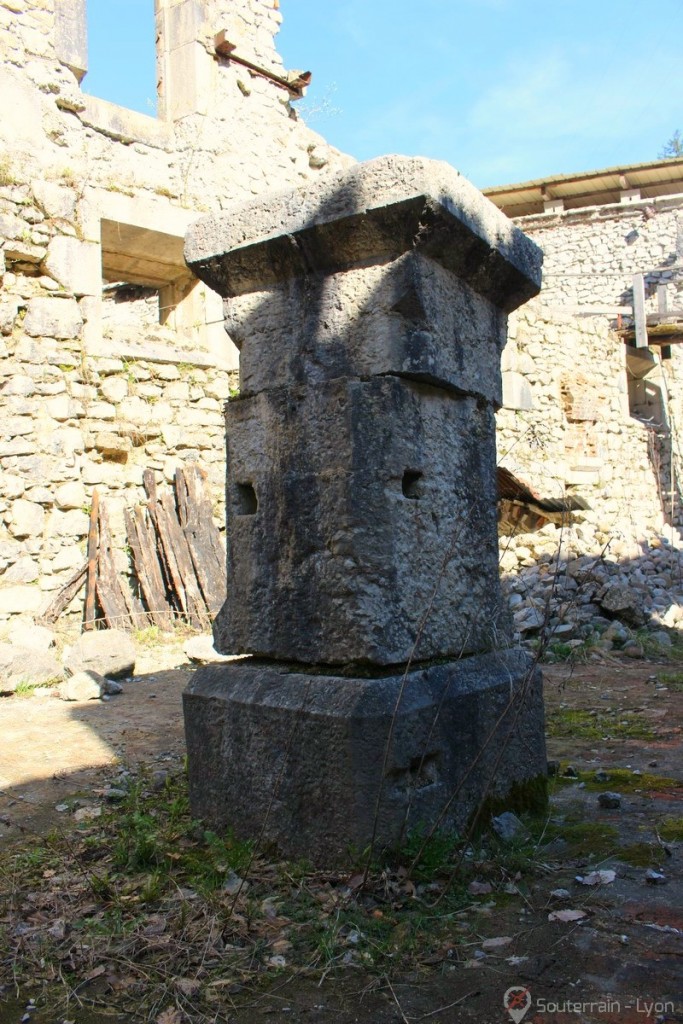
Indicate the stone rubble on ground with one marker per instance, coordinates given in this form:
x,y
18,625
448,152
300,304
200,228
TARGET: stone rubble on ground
x,y
83,686
109,652
609,800
557,588
26,665
201,649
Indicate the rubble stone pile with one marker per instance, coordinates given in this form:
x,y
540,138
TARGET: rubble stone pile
x,y
573,585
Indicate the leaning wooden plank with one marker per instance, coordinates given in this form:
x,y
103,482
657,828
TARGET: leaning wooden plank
x,y
639,320
117,605
143,544
114,609
147,569
185,578
65,596
136,613
89,609
167,561
203,538
213,548
173,572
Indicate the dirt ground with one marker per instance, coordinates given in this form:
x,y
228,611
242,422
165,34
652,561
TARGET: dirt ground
x,y
620,962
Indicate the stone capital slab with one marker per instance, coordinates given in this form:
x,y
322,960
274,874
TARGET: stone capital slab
x,y
372,213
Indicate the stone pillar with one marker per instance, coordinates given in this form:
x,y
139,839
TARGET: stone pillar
x,y
361,513
185,68
71,36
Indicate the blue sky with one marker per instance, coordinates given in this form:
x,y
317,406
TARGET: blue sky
x,y
505,90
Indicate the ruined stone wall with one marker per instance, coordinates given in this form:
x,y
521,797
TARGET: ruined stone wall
x,y
92,194
579,436
577,418
586,415
592,254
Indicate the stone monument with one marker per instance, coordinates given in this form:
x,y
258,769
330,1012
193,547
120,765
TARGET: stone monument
x,y
380,692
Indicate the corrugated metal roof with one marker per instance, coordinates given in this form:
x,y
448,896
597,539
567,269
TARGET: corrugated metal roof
x,y
590,188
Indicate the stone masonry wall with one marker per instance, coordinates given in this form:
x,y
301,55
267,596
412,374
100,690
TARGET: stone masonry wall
x,y
592,254
91,192
575,423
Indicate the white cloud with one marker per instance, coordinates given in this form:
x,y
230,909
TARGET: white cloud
x,y
559,103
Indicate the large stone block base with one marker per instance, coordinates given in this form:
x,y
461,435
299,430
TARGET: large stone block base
x,y
301,756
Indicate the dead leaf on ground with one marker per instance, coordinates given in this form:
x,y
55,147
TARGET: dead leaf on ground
x,y
171,1015
566,915
156,925
496,943
597,878
95,973
188,986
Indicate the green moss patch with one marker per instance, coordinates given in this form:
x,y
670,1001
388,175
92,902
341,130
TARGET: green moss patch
x,y
577,723
671,830
585,839
641,855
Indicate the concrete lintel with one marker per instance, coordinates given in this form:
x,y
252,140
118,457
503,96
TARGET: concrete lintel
x,y
125,125
157,352
142,212
373,212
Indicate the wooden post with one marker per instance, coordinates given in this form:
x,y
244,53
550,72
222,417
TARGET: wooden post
x,y
639,310
91,579
661,298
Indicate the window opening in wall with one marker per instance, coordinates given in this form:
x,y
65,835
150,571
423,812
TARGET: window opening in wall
x,y
121,53
127,306
146,284
645,387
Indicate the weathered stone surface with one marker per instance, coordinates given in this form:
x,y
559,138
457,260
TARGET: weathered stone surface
x,y
28,518
114,389
113,446
201,649
73,264
73,523
24,570
83,686
28,634
56,200
380,209
70,495
53,318
18,599
26,665
63,407
10,551
620,601
412,318
339,472
314,746
361,493
352,508
108,652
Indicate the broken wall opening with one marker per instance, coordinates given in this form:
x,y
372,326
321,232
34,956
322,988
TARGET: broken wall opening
x,y
146,284
124,75
645,386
